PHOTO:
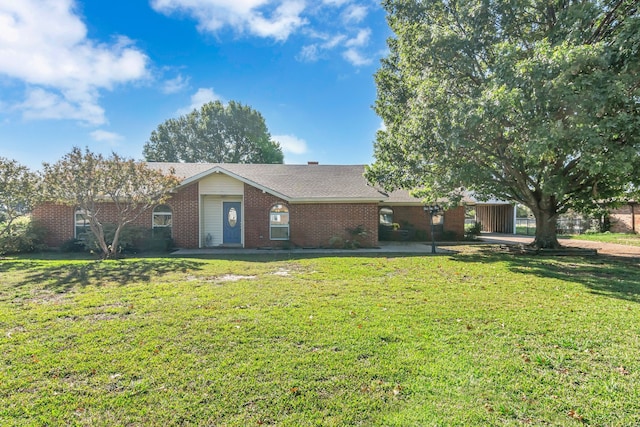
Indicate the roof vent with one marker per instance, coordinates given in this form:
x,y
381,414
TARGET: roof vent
x,y
312,163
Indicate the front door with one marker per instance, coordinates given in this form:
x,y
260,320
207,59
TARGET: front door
x,y
232,223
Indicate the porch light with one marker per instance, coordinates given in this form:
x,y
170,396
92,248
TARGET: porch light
x,y
432,210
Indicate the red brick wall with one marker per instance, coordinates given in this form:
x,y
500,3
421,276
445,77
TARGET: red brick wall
x,y
454,221
310,225
60,222
622,219
416,216
186,217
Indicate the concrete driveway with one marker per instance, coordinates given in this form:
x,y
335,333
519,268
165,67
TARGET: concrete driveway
x,y
602,248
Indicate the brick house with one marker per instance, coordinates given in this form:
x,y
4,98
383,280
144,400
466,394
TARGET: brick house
x,y
261,205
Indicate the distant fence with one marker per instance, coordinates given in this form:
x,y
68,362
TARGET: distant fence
x,y
565,225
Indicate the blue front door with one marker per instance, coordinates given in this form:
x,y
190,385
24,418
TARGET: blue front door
x,y
232,219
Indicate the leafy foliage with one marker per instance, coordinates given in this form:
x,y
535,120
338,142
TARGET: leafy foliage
x,y
23,235
472,231
132,240
216,133
529,101
18,192
89,181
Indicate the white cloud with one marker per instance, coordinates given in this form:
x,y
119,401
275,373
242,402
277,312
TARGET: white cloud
x,y
362,39
354,13
175,85
198,99
334,41
275,19
309,53
335,2
328,25
104,136
44,44
291,144
42,104
353,54
356,58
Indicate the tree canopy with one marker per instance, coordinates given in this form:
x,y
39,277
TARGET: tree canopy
x,y
95,184
533,101
216,133
18,192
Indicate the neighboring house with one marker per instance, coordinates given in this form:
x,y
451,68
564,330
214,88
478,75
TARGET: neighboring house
x,y
260,205
626,218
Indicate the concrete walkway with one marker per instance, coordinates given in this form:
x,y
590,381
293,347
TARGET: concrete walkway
x,y
602,248
417,248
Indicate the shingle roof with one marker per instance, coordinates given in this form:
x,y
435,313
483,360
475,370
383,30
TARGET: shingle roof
x,y
294,182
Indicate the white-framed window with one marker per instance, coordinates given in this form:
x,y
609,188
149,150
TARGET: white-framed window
x,y
81,220
162,221
386,216
279,222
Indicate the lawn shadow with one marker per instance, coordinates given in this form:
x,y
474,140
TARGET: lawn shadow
x,y
603,275
63,277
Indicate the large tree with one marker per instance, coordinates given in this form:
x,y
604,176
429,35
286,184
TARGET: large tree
x,y
98,185
18,192
535,101
217,133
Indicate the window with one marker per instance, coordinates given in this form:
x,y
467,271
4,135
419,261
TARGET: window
x,y
279,222
386,216
162,221
81,219
232,217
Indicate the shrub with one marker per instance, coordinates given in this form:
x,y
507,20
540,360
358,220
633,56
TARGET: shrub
x,y
421,236
133,239
158,243
73,245
24,235
472,231
448,236
354,241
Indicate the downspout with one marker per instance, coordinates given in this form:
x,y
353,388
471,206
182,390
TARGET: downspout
x,y
633,217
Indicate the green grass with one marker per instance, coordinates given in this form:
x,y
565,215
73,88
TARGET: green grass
x,y
527,231
619,238
474,339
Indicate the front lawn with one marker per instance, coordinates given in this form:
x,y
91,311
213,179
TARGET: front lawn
x,y
473,339
619,238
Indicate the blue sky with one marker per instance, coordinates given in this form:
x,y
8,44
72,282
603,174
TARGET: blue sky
x,y
104,74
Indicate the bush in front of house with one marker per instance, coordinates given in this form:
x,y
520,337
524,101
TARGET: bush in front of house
x,y
353,241
132,240
472,231
24,235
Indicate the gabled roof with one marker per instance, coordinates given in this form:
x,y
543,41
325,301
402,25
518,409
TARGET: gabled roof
x,y
296,183
302,183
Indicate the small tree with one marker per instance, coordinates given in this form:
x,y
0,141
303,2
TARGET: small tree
x,y
217,133
89,181
18,192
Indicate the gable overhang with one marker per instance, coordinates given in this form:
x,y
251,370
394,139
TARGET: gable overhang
x,y
218,169
341,200
282,196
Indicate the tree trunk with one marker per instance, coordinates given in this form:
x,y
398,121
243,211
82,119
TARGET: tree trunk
x,y
113,249
546,237
98,232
